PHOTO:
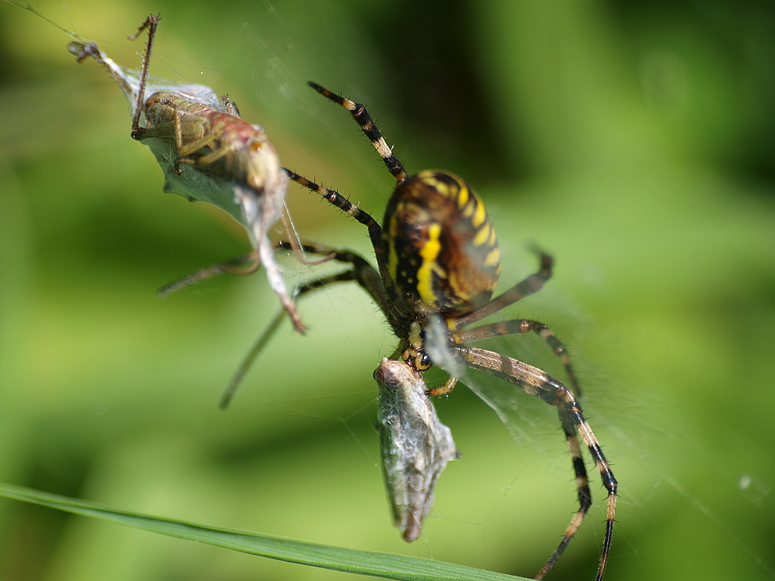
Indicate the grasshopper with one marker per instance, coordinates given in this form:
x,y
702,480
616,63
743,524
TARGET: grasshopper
x,y
207,152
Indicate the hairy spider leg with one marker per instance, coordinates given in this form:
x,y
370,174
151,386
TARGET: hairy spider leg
x,y
536,382
362,273
520,327
375,230
362,117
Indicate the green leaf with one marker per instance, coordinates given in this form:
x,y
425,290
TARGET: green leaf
x,y
335,558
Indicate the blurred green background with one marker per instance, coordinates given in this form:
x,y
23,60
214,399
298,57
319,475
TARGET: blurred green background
x,y
633,140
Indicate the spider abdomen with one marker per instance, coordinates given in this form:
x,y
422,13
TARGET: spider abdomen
x,y
441,249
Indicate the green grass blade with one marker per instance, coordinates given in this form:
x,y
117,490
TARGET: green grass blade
x,y
335,558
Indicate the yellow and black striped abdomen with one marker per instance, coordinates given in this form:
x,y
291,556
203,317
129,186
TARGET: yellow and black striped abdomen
x,y
441,249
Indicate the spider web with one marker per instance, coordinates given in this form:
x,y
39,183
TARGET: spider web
x,y
500,498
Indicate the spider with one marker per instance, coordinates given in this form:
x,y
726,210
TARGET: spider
x,y
437,267
438,259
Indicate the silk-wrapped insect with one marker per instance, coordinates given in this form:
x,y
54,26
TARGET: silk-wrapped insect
x,y
208,153
414,444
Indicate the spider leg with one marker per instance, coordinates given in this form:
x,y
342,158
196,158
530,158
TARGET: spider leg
x,y
375,231
532,284
520,327
540,384
235,265
362,117
229,266
250,263
582,485
265,337
361,272
338,200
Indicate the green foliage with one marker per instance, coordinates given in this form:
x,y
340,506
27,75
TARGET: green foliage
x,y
335,558
631,140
